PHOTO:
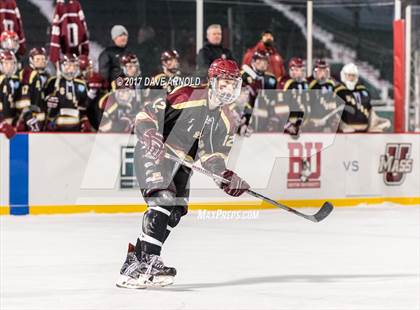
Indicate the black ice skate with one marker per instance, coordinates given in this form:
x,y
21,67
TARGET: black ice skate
x,y
148,272
130,271
154,272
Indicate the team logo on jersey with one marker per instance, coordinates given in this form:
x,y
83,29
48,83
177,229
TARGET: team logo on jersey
x,y
128,178
396,163
304,165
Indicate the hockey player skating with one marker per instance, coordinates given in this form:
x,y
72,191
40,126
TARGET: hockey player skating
x,y
195,123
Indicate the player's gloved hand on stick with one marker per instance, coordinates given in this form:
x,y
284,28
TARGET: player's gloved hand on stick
x,y
293,125
7,129
236,187
292,128
152,140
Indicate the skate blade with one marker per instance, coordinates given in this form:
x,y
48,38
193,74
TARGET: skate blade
x,y
156,281
130,283
163,280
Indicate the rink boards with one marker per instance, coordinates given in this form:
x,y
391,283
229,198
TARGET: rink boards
x,y
72,173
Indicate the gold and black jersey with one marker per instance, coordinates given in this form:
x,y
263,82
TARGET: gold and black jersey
x,y
189,127
72,101
357,105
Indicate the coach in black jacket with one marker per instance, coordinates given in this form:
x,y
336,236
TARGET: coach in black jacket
x,y
211,50
109,62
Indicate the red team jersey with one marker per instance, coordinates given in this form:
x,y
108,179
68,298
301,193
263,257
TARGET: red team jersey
x,y
69,31
11,21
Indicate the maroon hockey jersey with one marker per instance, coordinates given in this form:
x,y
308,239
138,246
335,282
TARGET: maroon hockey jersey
x,y
10,20
69,30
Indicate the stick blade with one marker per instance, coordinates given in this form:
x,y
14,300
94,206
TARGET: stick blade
x,y
325,210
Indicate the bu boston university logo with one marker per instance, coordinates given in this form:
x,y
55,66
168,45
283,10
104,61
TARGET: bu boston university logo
x,y
396,163
304,165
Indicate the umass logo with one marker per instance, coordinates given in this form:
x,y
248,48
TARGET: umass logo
x,y
396,163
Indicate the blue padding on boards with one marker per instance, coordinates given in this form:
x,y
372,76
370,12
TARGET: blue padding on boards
x,y
19,175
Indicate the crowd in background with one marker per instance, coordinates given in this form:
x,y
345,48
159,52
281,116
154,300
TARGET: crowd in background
x,y
57,89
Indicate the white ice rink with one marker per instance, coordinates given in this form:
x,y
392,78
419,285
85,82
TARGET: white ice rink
x,y
359,258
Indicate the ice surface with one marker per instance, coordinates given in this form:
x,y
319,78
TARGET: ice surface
x,y
358,258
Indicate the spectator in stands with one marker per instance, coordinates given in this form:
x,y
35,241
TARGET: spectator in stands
x,y
109,63
211,50
266,45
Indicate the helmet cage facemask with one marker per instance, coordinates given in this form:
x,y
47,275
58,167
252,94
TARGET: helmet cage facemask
x,y
349,69
10,44
32,63
351,85
125,69
293,76
70,75
12,71
175,70
225,97
323,80
254,66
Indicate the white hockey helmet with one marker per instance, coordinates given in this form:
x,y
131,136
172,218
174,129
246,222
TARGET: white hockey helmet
x,y
346,73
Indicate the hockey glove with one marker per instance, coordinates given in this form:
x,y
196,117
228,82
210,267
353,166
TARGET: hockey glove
x,y
152,141
293,124
236,187
85,126
52,102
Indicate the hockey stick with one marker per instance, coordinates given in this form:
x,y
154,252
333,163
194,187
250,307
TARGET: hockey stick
x,y
56,89
322,213
323,121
